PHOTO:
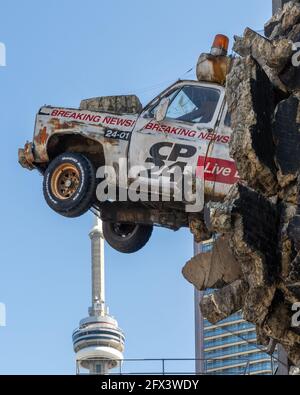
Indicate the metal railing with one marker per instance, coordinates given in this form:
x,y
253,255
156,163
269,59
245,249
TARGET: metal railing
x,y
165,366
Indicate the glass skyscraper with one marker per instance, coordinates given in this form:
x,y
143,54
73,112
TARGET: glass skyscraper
x,y
230,347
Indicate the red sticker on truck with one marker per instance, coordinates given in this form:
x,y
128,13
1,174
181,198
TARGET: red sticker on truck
x,y
217,170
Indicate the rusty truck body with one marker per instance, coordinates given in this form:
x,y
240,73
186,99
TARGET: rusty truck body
x,y
186,126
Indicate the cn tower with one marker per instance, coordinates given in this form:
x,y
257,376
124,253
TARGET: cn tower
x,y
98,342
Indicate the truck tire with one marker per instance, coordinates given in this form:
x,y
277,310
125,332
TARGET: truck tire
x,y
69,185
127,238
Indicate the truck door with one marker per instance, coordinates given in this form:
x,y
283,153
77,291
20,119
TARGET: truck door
x,y
220,171
177,141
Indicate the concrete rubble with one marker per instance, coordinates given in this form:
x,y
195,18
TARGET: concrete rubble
x,y
126,104
259,222
209,271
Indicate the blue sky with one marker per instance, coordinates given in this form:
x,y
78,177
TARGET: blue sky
x,y
59,52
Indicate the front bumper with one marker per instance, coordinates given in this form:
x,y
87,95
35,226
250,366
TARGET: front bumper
x,y
26,157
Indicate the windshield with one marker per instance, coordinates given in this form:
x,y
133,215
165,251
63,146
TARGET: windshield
x,y
194,104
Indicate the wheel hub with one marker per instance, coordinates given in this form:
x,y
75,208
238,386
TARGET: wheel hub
x,y
65,181
123,230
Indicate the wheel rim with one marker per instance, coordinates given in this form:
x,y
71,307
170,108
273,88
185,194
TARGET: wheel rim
x,y
124,230
65,181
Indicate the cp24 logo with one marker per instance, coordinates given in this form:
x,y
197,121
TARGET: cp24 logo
x,y
178,154
296,316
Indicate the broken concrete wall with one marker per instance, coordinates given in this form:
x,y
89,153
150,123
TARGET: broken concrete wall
x,y
261,216
249,84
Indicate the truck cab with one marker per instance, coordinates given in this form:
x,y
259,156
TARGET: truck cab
x,y
140,167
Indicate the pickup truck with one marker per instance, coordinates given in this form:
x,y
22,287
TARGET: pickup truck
x,y
186,126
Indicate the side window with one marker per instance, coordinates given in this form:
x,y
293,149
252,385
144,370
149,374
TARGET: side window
x,y
181,106
171,96
192,104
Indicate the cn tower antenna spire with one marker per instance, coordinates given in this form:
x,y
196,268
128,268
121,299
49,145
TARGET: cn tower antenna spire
x,y
98,274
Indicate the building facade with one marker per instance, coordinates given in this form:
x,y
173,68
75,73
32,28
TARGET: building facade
x,y
230,347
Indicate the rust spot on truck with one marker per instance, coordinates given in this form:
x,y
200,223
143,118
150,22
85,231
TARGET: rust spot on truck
x,y
42,137
58,125
40,141
213,68
111,141
220,68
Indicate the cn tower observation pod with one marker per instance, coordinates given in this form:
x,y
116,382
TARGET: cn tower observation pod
x,y
98,344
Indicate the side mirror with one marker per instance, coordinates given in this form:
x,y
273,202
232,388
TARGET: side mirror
x,y
162,109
